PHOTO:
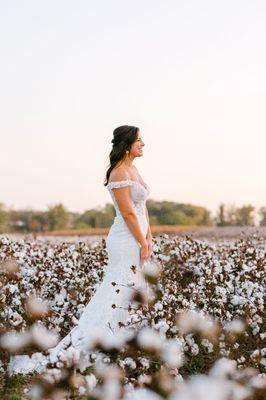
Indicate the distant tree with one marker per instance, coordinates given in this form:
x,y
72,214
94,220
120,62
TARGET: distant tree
x,y
226,215
262,213
166,215
86,219
19,220
231,215
221,220
171,213
93,218
39,222
245,216
3,219
57,217
194,215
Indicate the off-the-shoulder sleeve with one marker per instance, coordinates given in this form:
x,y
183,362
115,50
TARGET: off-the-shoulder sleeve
x,y
119,184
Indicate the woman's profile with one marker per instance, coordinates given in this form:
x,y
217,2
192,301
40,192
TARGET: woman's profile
x,y
128,244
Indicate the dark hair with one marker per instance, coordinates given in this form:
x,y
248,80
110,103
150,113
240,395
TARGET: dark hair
x,y
124,137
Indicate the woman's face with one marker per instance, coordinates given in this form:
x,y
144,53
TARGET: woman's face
x,y
136,147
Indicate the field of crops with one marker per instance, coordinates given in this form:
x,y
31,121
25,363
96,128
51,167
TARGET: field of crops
x,y
203,334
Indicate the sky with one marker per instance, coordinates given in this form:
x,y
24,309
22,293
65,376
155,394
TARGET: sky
x,y
190,74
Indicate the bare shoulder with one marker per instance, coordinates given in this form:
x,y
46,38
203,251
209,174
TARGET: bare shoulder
x,y
119,174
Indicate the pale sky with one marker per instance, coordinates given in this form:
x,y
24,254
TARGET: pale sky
x,y
190,74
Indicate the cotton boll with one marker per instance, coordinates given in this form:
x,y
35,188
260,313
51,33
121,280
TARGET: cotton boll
x,y
151,270
72,355
36,307
223,368
258,381
74,320
151,296
113,372
130,363
53,375
36,392
110,342
59,394
207,344
108,372
145,362
235,326
9,267
191,321
111,389
149,339
239,392
2,298
43,338
77,381
144,379
172,353
15,319
162,327
141,394
238,300
91,382
13,341
255,356
203,387
158,306
112,375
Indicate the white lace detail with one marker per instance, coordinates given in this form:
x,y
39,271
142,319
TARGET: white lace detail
x,y
139,194
99,316
119,184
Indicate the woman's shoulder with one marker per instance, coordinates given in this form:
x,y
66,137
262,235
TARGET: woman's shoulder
x,y
119,178
119,174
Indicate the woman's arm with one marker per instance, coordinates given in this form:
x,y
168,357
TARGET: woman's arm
x,y
149,234
122,197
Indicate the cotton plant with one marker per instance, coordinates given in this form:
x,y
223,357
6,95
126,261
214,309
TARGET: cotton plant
x,y
193,305
208,279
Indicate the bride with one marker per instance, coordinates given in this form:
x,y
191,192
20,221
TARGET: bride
x,y
129,246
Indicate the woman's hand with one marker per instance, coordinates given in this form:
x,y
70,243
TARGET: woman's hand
x,y
144,252
150,244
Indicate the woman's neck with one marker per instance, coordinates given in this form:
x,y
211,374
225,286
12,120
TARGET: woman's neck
x,y
128,162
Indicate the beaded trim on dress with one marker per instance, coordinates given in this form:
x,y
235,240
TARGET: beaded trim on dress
x,y
125,182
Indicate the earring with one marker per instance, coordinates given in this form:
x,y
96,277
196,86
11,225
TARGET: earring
x,y
127,151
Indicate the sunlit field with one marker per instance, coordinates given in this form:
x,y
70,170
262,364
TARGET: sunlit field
x,y
203,334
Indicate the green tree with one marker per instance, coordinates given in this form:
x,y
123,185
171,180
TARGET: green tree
x,y
262,213
221,220
245,216
3,219
58,217
94,218
171,213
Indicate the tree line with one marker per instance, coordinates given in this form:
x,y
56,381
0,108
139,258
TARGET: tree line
x,y
57,217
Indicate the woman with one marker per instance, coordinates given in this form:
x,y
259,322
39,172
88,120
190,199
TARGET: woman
x,y
128,244
127,145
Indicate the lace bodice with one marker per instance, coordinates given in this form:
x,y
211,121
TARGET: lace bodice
x,y
139,194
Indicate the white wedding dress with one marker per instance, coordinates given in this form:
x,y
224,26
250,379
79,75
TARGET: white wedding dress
x,y
99,316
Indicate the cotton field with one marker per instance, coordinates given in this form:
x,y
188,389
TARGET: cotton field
x,y
202,335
